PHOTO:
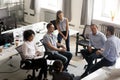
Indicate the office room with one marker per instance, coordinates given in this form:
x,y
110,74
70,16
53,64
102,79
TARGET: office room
x,y
59,39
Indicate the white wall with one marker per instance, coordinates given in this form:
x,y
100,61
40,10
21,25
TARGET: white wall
x,y
76,13
40,6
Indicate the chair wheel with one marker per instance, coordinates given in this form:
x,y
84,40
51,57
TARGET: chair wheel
x,y
50,70
29,77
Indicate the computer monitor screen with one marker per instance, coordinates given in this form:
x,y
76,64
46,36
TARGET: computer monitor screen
x,y
6,38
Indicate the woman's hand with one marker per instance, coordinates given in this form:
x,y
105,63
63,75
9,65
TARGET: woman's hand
x,y
63,47
65,38
38,53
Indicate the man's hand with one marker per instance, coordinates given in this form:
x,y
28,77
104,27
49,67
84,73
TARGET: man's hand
x,y
62,46
89,49
62,50
98,52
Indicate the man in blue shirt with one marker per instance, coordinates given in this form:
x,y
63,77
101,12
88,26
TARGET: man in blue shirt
x,y
110,52
51,45
96,42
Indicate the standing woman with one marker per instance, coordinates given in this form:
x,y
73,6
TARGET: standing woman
x,y
30,52
62,26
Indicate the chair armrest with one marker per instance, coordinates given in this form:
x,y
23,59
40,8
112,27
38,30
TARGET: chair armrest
x,y
48,55
25,64
80,36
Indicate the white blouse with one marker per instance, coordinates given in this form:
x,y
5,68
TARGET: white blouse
x,y
29,50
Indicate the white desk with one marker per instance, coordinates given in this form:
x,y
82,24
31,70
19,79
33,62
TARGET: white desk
x,y
6,53
37,27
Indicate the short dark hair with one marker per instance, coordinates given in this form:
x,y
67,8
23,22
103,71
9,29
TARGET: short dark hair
x,y
111,29
27,34
93,25
57,65
48,25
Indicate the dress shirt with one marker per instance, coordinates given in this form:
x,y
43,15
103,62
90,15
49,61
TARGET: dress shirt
x,y
29,50
51,38
111,48
98,40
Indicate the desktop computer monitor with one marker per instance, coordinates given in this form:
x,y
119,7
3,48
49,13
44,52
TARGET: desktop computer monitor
x,y
6,38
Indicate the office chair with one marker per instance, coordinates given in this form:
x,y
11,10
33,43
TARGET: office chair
x,y
83,39
54,23
27,64
48,56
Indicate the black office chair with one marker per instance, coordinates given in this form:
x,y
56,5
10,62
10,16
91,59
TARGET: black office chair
x,y
26,65
83,39
48,56
54,23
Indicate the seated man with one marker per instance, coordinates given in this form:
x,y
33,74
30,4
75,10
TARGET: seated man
x,y
110,52
97,40
51,45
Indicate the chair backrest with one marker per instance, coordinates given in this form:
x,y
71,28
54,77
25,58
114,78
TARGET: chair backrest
x,y
43,44
86,31
47,55
54,23
19,49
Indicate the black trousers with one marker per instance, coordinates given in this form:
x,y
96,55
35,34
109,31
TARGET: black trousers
x,y
67,41
42,64
103,63
90,57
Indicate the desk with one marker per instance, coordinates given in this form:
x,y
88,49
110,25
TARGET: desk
x,y
6,53
38,28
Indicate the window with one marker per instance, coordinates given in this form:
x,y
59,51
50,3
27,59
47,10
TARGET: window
x,y
3,3
107,10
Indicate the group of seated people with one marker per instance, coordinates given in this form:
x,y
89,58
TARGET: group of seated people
x,y
100,46
106,48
